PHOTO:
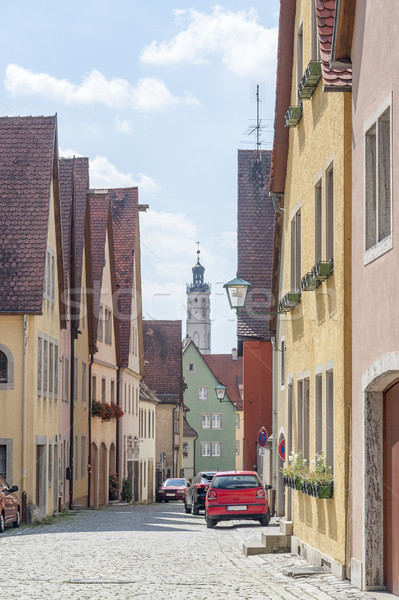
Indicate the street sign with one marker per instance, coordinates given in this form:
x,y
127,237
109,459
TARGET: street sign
x,y
281,449
262,437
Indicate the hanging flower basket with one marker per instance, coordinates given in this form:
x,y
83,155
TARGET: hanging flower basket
x,y
105,411
325,491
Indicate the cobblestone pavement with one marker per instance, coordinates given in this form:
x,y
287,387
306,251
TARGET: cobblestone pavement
x,y
155,552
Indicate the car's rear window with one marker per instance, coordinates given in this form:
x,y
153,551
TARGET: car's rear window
x,y
235,482
175,482
207,477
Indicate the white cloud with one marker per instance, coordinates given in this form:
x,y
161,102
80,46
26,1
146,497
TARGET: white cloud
x,y
150,93
246,47
123,126
103,174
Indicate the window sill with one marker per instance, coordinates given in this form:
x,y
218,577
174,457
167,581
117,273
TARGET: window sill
x,y
378,250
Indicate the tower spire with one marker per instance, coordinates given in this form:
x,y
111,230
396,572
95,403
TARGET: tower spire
x,y
198,308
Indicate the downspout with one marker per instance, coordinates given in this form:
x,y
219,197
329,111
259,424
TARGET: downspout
x,y
25,401
89,417
174,474
73,333
118,426
275,423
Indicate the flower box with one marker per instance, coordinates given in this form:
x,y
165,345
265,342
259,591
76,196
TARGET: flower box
x,y
310,80
289,301
309,283
325,491
293,115
322,270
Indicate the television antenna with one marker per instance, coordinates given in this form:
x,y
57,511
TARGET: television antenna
x,y
258,127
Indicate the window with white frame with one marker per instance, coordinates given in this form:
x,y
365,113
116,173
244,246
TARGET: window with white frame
x,y
203,393
51,370
378,172
329,212
205,421
216,449
100,327
83,457
107,326
205,449
49,279
84,374
318,222
296,251
216,421
329,454
303,415
318,445
75,379
299,54
45,367
282,363
39,365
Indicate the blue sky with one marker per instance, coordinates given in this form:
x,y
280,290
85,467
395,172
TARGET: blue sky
x,y
157,94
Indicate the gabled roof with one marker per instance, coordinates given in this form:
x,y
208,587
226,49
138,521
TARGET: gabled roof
x,y
188,431
255,241
334,79
229,373
124,207
74,184
146,394
28,163
163,359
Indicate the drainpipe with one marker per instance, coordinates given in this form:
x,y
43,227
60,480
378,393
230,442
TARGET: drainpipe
x,y
275,423
73,316
24,408
71,418
118,426
174,474
89,417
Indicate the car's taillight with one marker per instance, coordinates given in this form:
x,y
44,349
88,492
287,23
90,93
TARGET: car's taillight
x,y
200,486
260,493
211,494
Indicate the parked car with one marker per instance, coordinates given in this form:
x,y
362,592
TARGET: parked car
x,y
173,489
9,508
196,492
236,495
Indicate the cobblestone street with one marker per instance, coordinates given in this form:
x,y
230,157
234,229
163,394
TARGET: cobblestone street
x,y
154,552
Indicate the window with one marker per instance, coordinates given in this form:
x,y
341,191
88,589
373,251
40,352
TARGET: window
x,y
83,308
290,437
216,449
203,393
55,371
191,367
83,382
51,369
45,366
100,327
108,326
76,457
303,418
378,180
50,464
315,49
299,54
66,380
216,421
83,457
205,449
282,364
113,392
103,390
49,280
3,368
237,421
94,388
3,460
319,414
330,419
39,365
318,222
296,251
329,213
75,379
205,421
237,447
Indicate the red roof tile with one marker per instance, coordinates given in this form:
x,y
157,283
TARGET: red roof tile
x,y
255,241
229,373
28,160
124,207
163,359
332,78
188,431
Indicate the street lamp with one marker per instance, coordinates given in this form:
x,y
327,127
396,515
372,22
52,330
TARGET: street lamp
x,y
237,290
220,390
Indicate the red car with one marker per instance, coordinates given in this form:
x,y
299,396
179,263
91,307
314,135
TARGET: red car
x,y
173,489
236,495
9,508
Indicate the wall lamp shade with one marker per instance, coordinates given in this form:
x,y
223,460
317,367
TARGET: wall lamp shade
x,y
220,391
237,290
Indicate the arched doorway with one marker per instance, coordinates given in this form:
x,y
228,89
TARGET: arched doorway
x,y
112,459
391,488
103,476
94,476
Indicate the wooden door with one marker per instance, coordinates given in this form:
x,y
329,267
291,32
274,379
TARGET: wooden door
x,y
391,489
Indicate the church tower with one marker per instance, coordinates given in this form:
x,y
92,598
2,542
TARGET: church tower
x,y
198,324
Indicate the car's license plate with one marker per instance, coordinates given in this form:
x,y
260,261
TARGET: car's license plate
x,y
170,494
238,507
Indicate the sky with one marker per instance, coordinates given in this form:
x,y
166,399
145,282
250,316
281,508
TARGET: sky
x,y
161,95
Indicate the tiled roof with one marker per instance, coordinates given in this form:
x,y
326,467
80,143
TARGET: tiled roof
x,y
285,53
255,242
163,359
188,431
74,180
28,159
146,393
340,79
99,211
228,372
124,207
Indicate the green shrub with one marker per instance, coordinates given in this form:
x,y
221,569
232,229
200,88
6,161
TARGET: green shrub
x,y
126,493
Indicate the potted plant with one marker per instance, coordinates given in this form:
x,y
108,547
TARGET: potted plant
x,y
126,493
323,478
114,486
294,472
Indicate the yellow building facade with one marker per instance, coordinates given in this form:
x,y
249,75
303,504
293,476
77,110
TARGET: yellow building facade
x,y
317,320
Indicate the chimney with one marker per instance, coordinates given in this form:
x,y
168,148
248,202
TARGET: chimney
x,y
234,354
